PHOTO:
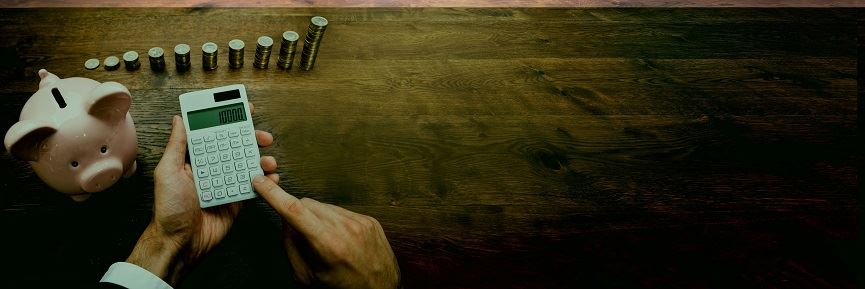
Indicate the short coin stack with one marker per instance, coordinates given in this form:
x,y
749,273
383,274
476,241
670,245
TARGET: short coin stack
x,y
262,52
112,63
286,50
235,53
209,52
130,59
181,57
157,59
314,34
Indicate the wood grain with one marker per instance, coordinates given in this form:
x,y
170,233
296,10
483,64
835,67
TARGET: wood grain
x,y
432,3
499,148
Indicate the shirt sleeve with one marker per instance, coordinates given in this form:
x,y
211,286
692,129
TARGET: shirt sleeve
x,y
133,277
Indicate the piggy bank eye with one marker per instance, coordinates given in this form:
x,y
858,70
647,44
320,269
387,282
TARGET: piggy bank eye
x,y
103,149
74,164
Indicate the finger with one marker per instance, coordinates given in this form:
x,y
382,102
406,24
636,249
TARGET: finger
x,y
251,108
288,206
273,177
187,169
268,164
263,138
175,150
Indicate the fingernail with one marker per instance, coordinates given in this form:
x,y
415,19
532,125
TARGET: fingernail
x,y
258,179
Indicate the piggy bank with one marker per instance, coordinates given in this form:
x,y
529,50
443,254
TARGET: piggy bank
x,y
77,134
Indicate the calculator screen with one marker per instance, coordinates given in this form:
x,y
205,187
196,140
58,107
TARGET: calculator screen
x,y
215,116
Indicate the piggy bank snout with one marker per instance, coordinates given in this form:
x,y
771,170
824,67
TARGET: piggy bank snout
x,y
101,175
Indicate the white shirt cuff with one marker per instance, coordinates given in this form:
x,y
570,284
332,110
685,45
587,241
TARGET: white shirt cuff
x,y
133,277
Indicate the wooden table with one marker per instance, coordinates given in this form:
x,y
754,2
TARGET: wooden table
x,y
499,148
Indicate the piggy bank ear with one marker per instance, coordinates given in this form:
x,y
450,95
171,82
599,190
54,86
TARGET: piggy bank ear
x,y
24,138
109,101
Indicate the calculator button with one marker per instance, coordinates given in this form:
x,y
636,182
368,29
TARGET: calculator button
x,y
235,143
223,145
202,173
243,178
205,184
245,131
233,133
209,137
224,156
200,161
211,148
238,154
215,170
227,168
217,181
212,159
232,191
197,150
197,140
230,180
221,135
254,173
219,193
250,152
206,196
245,189
251,163
247,141
239,166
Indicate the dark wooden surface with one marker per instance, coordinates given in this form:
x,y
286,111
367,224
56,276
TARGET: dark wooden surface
x,y
499,148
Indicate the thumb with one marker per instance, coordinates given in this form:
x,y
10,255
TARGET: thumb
x,y
175,150
289,207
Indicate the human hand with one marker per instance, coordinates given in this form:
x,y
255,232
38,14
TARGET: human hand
x,y
180,231
329,245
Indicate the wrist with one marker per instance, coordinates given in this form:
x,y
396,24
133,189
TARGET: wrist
x,y
153,252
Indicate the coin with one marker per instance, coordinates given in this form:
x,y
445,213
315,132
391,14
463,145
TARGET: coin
x,y
209,56
91,64
111,63
235,53
312,42
157,59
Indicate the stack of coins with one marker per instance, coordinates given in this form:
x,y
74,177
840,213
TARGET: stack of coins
x,y
157,59
286,50
91,64
112,63
262,52
208,55
317,26
235,53
181,57
130,59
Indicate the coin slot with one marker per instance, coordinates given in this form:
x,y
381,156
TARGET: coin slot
x,y
58,97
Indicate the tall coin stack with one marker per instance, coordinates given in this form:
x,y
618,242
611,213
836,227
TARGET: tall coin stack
x,y
235,53
209,52
157,59
317,26
262,52
286,50
181,57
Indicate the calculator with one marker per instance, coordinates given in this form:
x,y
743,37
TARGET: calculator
x,y
222,146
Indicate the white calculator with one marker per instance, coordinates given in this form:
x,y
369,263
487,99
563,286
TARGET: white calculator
x,y
222,146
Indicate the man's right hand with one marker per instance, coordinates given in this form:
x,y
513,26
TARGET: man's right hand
x,y
329,245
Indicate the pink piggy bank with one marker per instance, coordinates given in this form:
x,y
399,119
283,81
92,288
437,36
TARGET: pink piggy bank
x,y
77,134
